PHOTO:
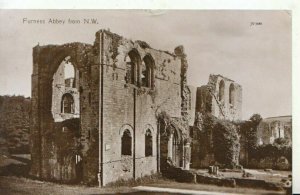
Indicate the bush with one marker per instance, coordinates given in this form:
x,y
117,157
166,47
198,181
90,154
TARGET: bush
x,y
274,151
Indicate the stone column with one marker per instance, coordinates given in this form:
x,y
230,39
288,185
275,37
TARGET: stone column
x,y
170,147
187,156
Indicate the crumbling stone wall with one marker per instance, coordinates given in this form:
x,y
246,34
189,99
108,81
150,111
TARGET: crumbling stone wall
x,y
228,107
218,106
46,63
110,104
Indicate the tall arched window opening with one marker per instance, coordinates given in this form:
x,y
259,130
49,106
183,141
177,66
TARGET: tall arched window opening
x,y
126,143
133,61
231,94
148,143
147,76
67,104
221,90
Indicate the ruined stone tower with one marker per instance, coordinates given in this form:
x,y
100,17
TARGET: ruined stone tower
x,y
121,114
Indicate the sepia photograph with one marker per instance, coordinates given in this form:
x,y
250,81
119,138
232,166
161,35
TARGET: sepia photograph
x,y
145,101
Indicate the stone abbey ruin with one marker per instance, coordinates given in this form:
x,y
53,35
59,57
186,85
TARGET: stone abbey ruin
x,y
127,111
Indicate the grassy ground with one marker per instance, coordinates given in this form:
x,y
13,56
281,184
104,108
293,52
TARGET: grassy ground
x,y
14,165
11,185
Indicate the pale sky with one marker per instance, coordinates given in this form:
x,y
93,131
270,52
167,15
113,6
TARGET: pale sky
x,y
258,57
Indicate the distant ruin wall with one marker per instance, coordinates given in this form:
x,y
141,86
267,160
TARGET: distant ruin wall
x,y
221,97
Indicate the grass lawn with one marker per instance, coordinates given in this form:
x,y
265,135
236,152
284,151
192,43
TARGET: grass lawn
x,y
23,185
11,185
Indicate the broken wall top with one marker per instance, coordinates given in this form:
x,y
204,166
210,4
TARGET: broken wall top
x,y
48,57
214,79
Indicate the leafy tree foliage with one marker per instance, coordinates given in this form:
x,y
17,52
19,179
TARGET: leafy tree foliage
x,y
280,147
248,130
14,124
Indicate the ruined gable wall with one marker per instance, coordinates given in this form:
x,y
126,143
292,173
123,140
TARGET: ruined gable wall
x,y
208,102
46,60
208,99
223,109
118,106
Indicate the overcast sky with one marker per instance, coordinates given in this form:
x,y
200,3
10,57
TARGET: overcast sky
x,y
216,42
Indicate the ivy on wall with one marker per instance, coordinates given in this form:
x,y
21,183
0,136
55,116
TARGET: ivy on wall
x,y
227,143
221,138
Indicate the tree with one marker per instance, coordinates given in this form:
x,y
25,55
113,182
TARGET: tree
x,y
248,132
255,119
251,133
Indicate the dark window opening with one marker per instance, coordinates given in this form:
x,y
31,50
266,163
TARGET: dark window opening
x,y
144,75
67,104
221,90
90,98
133,61
126,143
231,94
148,143
147,76
89,134
191,132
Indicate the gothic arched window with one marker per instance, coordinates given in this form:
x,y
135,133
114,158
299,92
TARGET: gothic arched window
x,y
147,74
126,143
148,143
133,61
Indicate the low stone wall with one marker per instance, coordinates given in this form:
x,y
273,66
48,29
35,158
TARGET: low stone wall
x,y
215,181
187,176
180,175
